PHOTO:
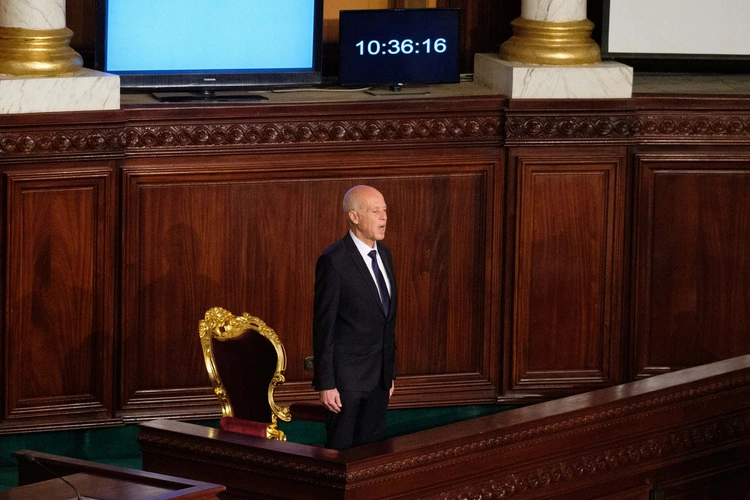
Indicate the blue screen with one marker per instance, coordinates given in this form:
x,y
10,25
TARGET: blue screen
x,y
209,35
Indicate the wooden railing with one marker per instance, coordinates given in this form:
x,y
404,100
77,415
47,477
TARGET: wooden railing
x,y
682,434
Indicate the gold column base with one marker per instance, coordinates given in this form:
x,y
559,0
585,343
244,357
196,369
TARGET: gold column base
x,y
27,52
552,43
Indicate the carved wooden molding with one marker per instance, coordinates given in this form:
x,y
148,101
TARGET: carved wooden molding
x,y
538,127
541,127
694,125
676,441
635,454
307,132
178,448
92,140
517,439
530,126
192,135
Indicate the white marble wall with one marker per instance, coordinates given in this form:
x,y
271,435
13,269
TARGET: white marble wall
x,y
32,14
554,10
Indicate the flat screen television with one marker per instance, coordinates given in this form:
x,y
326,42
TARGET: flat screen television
x,y
677,34
208,45
398,46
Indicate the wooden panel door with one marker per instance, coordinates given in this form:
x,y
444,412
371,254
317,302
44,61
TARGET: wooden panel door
x,y
569,220
245,232
692,259
59,327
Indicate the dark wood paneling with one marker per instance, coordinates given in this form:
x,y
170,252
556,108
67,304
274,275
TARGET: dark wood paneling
x,y
692,267
441,238
80,16
245,235
484,25
568,268
731,483
60,321
515,285
227,205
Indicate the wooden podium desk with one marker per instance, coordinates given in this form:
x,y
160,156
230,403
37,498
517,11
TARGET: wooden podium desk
x,y
677,436
98,481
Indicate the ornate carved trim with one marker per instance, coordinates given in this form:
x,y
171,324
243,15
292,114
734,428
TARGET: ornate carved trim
x,y
696,125
517,438
307,132
249,134
667,402
661,447
540,127
91,140
530,126
251,461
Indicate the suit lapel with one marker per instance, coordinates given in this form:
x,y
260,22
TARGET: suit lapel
x,y
359,263
388,264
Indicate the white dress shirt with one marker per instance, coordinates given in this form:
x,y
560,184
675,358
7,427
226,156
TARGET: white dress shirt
x,y
364,250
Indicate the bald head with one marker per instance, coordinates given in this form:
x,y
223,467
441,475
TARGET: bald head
x,y
354,198
366,210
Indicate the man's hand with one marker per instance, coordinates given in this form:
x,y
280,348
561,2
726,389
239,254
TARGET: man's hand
x,y
393,386
331,400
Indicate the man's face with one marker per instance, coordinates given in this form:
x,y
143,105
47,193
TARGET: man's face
x,y
370,220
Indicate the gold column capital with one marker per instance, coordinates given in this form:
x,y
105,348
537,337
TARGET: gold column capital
x,y
552,43
31,52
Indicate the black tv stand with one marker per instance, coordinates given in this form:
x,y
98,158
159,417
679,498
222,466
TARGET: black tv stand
x,y
208,95
397,89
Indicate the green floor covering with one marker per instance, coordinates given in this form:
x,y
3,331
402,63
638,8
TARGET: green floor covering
x,y
119,445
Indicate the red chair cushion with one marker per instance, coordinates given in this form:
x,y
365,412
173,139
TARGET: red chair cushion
x,y
247,427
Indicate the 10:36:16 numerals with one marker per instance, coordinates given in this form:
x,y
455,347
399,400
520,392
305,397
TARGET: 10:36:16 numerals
x,y
406,46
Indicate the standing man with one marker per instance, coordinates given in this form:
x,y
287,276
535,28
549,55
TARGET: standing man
x,y
354,323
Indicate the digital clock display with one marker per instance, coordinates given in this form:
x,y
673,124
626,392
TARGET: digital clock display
x,y
398,46
406,46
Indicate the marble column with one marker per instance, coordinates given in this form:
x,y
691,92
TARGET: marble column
x,y
39,71
552,32
553,10
34,39
552,55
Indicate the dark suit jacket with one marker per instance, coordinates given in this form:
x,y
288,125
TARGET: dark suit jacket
x,y
354,341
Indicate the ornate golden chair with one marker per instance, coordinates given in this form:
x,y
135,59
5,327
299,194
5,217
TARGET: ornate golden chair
x,y
245,361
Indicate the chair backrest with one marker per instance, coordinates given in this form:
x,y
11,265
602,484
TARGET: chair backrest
x,y
245,361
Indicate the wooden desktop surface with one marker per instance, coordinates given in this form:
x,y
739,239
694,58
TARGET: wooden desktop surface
x,y
92,486
98,481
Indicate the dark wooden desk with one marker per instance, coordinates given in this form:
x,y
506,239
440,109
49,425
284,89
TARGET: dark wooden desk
x,y
682,435
99,481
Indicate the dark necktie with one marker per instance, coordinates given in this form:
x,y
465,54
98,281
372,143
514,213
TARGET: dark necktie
x,y
384,297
